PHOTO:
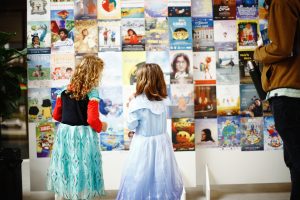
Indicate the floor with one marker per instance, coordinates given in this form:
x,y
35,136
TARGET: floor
x,y
219,192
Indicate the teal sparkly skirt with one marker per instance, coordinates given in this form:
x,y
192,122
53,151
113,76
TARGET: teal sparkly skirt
x,y
75,170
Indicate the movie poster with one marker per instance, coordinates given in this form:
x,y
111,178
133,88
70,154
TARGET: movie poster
x,y
156,8
251,105
228,100
182,100
112,72
162,59
86,36
111,112
131,62
252,134
62,27
203,34
205,101
228,72
62,69
181,64
45,139
180,33
38,37
38,10
202,8
133,34
244,57
225,35
247,34
206,131
247,9
109,35
39,105
85,9
204,67
229,135
272,138
157,36
224,9
109,9
183,134
38,70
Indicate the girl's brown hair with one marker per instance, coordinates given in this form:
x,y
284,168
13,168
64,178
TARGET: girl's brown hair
x,y
150,81
86,76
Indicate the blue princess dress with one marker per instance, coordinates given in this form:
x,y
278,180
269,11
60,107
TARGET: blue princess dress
x,y
151,171
75,170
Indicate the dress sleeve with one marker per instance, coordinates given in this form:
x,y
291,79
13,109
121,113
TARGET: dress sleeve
x,y
132,120
57,113
93,117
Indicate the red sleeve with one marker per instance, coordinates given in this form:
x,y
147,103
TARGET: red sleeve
x,y
93,118
57,113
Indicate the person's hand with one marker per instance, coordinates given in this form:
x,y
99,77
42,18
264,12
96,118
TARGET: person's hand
x,y
104,126
129,99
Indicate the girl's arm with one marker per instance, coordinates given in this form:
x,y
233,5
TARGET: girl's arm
x,y
93,117
57,113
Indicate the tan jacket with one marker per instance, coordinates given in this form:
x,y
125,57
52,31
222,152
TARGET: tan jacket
x,y
281,57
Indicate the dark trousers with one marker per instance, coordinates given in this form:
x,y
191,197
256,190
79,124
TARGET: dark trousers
x,y
286,112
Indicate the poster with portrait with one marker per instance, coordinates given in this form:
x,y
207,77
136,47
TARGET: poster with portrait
x,y
247,34
86,36
206,133
133,34
205,101
38,37
251,105
181,65
228,68
204,65
109,35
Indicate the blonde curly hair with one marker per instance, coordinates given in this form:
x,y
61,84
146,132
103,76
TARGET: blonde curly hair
x,y
86,76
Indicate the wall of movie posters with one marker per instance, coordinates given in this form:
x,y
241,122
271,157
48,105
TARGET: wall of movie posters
x,y
201,46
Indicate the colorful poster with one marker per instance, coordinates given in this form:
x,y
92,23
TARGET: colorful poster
x,y
62,69
203,34
251,105
182,104
86,36
245,56
131,62
38,68
229,135
38,37
202,8
252,134
109,35
183,134
85,9
204,67
109,9
112,73
180,33
247,9
157,36
228,100
225,35
181,67
38,10
45,139
228,68
224,9
133,34
156,8
39,105
162,59
179,11
205,101
206,133
247,34
132,12
111,112
272,138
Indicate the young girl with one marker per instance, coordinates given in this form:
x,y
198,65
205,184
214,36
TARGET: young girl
x,y
151,171
75,170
